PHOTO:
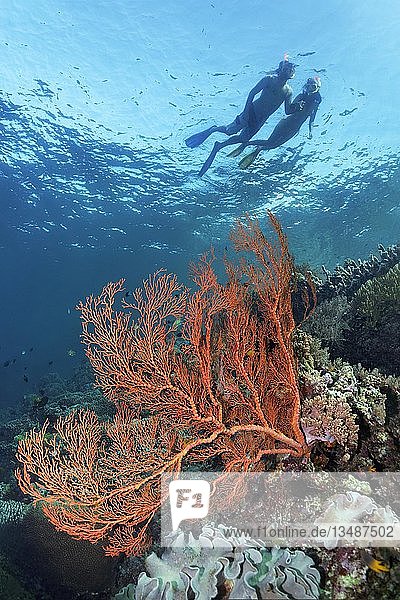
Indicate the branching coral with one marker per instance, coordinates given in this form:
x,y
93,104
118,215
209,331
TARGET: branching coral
x,y
363,326
378,297
329,418
229,392
362,407
346,279
329,393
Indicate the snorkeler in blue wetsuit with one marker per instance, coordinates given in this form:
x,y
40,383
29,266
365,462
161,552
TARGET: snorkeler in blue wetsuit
x,y
304,106
273,90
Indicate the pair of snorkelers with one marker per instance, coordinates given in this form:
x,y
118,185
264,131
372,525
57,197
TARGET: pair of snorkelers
x,y
274,90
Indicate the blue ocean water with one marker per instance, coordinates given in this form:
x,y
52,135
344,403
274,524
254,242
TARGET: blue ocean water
x,y
96,183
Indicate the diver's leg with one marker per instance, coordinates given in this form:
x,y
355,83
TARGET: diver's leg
x,y
285,130
251,157
248,131
238,150
210,159
236,139
242,139
235,126
198,138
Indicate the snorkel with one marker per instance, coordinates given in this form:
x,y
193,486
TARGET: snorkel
x,y
286,69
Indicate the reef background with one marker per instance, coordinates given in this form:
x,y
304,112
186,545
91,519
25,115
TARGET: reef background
x,y
96,184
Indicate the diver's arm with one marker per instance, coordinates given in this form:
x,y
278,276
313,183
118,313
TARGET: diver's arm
x,y
312,118
288,101
296,105
256,90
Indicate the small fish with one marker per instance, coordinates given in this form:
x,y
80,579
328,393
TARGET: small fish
x,y
30,349
14,360
6,364
306,53
23,352
50,362
347,112
26,379
379,566
250,352
71,352
127,294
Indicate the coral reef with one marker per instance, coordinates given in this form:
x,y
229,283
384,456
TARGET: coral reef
x,y
210,566
379,297
354,507
329,418
352,574
374,319
12,511
350,415
219,377
364,326
55,565
55,397
230,392
347,279
329,321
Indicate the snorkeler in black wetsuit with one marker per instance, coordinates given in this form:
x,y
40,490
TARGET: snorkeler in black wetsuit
x,y
304,106
273,90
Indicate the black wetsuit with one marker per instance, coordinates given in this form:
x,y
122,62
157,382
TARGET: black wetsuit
x,y
289,126
311,104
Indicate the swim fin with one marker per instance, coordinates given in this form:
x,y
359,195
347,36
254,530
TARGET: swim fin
x,y
209,160
249,159
198,138
237,150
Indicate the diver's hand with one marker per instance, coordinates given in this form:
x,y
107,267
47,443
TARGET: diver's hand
x,y
297,106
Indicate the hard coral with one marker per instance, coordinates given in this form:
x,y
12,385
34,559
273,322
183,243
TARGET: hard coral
x,y
379,297
329,418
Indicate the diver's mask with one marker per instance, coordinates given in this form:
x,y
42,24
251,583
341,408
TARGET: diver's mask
x,y
312,85
286,69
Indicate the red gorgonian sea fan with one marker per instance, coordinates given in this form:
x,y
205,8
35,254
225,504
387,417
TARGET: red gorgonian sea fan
x,y
226,387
